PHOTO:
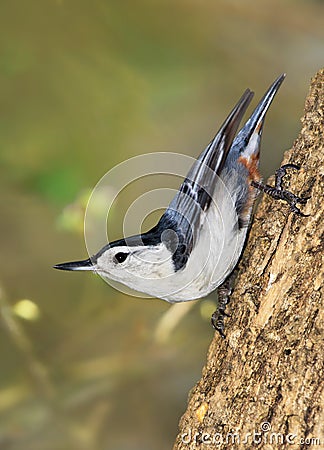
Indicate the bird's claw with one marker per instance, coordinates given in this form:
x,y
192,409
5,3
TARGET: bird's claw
x,y
279,193
217,321
224,292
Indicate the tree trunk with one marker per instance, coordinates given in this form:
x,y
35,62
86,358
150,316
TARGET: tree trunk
x,y
264,383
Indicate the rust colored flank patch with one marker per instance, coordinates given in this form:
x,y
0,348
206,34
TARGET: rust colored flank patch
x,y
251,164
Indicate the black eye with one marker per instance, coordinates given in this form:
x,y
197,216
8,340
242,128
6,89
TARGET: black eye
x,y
120,257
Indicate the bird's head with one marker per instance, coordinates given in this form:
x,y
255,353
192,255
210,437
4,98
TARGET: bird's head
x,y
138,261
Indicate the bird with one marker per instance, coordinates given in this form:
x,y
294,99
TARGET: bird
x,y
198,241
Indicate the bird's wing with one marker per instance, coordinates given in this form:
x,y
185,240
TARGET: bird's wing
x,y
194,195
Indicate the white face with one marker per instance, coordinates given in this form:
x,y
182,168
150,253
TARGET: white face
x,y
135,266
151,270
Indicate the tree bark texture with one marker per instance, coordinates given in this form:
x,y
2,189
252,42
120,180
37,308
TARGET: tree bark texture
x,y
263,385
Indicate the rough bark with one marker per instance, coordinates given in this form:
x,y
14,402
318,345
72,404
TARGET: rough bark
x,y
267,375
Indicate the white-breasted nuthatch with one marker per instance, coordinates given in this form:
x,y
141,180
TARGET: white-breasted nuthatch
x,y
200,237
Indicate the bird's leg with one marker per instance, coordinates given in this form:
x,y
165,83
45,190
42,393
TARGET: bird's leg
x,y
224,292
279,193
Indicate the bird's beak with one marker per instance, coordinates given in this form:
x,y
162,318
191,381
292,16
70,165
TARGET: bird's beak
x,y
86,264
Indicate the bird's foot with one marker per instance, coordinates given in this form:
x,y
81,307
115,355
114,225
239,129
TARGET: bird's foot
x,y
224,292
279,193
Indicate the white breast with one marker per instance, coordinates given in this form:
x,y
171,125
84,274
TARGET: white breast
x,y
214,256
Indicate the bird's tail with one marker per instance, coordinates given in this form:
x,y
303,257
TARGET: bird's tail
x,y
242,163
247,142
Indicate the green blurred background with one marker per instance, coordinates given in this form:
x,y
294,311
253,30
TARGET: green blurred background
x,y
84,86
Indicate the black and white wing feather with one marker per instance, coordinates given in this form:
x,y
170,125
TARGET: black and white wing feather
x,y
186,210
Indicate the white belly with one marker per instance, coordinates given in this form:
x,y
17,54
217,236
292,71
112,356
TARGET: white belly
x,y
211,261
